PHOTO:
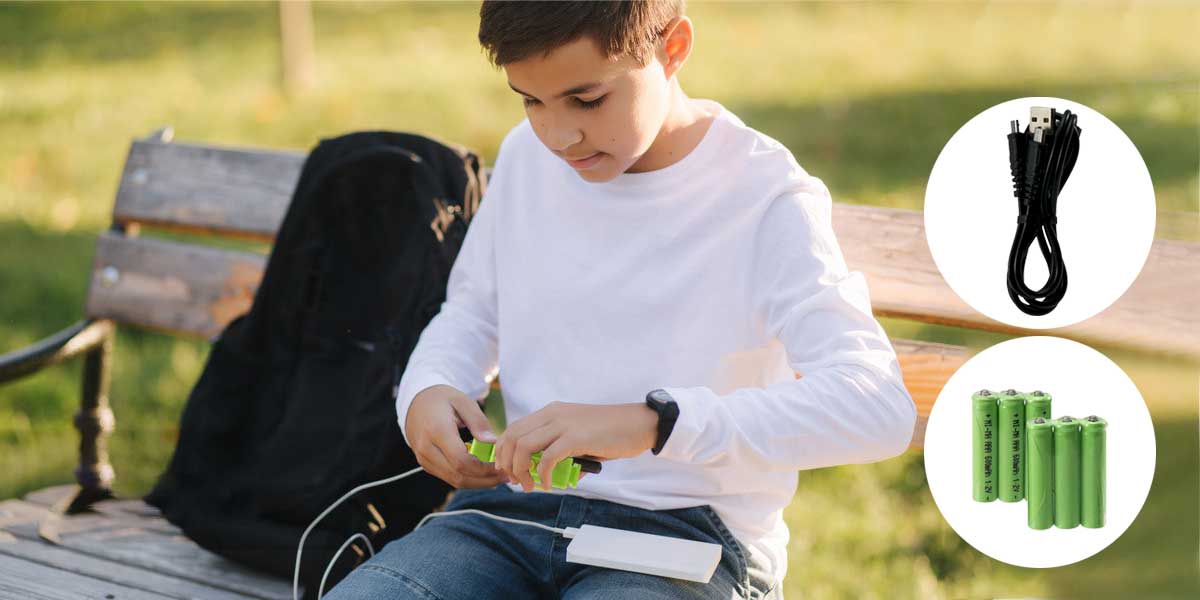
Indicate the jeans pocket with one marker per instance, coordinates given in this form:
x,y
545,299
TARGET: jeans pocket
x,y
734,546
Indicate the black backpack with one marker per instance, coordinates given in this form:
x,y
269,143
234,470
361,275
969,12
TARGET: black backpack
x,y
295,406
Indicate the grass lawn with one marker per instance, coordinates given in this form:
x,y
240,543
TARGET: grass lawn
x,y
864,95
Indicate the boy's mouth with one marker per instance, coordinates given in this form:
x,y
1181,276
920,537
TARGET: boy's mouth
x,y
585,162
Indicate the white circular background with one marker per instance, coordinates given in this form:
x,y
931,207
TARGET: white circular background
x,y
1081,382
1106,215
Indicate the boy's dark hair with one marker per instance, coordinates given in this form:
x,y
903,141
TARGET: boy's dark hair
x,y
514,31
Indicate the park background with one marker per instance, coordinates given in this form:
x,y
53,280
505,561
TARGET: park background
x,y
864,95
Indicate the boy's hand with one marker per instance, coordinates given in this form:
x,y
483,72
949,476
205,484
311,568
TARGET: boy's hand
x,y
564,429
432,424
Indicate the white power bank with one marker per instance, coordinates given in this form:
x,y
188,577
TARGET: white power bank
x,y
643,553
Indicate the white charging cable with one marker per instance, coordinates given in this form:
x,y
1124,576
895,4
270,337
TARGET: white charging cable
x,y
568,532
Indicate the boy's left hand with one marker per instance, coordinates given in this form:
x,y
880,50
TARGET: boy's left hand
x,y
564,429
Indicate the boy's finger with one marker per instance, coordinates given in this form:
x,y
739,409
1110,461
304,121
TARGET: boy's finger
x,y
472,416
504,445
435,463
524,449
515,431
458,458
551,456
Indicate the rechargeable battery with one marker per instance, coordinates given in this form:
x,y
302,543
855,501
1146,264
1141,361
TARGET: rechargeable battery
x,y
983,452
1039,472
1091,479
1066,472
1010,441
1037,404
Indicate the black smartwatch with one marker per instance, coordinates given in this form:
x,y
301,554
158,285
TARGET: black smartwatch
x,y
668,412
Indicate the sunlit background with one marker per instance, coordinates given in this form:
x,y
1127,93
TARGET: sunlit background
x,y
864,96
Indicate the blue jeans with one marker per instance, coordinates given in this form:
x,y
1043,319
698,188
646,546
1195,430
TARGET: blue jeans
x,y
473,557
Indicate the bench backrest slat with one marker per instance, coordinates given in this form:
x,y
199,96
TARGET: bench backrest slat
x,y
888,245
213,189
245,192
170,286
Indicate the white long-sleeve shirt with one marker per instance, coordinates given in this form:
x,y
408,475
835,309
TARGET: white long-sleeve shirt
x,y
717,278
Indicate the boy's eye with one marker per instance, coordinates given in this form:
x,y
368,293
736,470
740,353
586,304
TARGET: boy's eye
x,y
584,104
589,104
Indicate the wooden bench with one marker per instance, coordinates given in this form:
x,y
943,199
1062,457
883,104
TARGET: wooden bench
x,y
192,289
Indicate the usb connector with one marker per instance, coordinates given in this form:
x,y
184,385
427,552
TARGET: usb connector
x,y
1041,122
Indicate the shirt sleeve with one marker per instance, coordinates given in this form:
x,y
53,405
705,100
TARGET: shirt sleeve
x,y
849,405
459,346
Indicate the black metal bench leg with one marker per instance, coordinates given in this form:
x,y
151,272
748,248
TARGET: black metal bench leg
x,y
95,421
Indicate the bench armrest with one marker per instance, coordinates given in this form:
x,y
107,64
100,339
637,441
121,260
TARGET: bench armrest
x,y
72,341
93,339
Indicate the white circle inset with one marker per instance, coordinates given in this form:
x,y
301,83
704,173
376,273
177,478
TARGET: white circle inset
x,y
1106,216
1082,382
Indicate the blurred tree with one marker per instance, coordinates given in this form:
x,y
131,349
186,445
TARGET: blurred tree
x,y
296,45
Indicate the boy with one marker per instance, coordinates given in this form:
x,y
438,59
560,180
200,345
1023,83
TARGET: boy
x,y
649,274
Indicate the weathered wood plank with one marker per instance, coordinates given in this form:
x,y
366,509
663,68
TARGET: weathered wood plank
x,y
49,496
244,191
888,245
20,511
28,580
128,541
169,286
207,188
926,368
57,494
110,513
69,561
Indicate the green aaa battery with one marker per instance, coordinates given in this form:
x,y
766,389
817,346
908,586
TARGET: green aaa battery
x,y
1037,404
983,453
1066,472
1039,473
1010,444
1091,478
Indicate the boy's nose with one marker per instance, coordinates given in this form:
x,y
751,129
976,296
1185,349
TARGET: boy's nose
x,y
562,139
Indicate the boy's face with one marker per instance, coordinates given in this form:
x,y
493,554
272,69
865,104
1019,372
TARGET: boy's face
x,y
582,105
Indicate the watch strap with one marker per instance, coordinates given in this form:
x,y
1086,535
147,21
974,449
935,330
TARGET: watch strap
x,y
668,413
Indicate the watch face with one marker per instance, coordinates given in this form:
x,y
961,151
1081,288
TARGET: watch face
x,y
659,396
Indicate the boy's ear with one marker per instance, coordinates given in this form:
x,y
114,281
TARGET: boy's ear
x,y
676,45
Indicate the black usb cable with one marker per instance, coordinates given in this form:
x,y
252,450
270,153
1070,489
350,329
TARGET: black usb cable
x,y
1041,159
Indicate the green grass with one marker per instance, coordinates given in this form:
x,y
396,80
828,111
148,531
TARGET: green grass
x,y
864,95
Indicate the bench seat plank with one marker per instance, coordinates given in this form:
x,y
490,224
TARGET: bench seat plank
x,y
142,543
29,580
64,559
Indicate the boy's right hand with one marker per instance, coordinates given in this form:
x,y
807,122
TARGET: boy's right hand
x,y
432,424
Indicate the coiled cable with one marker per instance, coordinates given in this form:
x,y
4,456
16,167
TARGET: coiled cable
x,y
1041,159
